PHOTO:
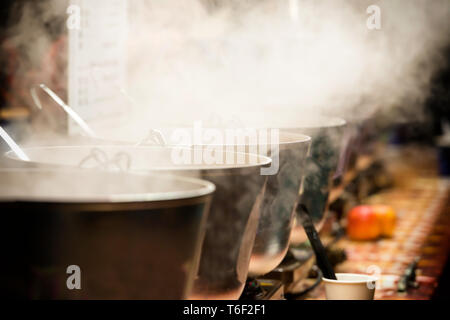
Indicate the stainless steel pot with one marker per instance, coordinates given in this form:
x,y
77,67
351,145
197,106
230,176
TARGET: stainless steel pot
x,y
133,236
327,146
278,207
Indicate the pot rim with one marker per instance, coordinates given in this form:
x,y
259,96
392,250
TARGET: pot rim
x,y
315,123
262,160
204,188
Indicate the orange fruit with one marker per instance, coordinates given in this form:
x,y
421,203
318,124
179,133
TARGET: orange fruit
x,y
386,217
363,224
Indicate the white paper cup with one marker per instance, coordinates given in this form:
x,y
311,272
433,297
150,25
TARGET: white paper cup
x,y
350,286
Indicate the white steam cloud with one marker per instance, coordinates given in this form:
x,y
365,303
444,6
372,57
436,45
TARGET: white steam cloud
x,y
190,60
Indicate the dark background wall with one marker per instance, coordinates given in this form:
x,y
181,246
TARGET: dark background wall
x,y
6,19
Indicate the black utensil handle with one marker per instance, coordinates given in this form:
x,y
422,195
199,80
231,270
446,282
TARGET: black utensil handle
x,y
321,256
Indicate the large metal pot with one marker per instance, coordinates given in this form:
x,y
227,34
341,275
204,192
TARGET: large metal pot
x,y
132,236
327,146
278,207
234,214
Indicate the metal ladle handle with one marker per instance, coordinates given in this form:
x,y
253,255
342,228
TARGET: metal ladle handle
x,y
72,114
13,145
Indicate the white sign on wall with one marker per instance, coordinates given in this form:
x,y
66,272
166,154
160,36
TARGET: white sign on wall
x,y
97,59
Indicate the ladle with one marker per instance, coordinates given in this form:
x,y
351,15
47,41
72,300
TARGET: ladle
x,y
13,145
72,114
154,136
319,250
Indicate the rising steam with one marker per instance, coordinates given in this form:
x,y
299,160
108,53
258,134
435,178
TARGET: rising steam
x,y
192,59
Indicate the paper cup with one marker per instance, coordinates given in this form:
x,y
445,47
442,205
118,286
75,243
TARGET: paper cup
x,y
350,286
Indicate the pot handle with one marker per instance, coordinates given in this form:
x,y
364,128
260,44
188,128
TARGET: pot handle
x,y
100,160
154,137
